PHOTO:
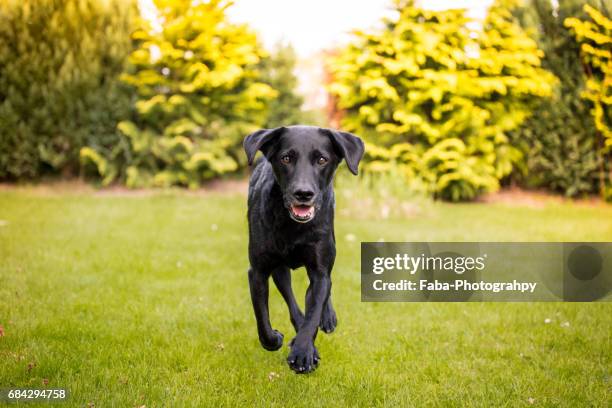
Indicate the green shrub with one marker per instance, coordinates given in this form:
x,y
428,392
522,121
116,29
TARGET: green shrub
x,y
447,97
60,62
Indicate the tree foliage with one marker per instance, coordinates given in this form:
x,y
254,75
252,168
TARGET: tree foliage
x,y
199,92
60,62
277,71
436,99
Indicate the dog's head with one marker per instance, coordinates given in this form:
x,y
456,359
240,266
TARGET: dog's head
x,y
304,159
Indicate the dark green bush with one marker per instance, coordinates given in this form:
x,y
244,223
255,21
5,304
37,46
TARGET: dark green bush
x,y
60,62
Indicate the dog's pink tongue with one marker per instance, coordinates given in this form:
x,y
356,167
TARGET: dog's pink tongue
x,y
301,210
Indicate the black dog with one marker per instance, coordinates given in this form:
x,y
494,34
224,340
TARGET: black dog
x,y
291,224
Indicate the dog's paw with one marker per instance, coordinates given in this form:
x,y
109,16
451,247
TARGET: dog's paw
x,y
273,342
329,321
303,358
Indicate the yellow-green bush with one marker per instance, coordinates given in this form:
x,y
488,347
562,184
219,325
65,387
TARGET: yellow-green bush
x,y
445,93
198,93
559,141
595,37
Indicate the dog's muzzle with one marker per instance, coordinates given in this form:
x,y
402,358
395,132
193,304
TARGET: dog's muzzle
x,y
302,212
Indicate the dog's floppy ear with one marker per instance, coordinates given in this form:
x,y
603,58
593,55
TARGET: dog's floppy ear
x,y
350,147
257,141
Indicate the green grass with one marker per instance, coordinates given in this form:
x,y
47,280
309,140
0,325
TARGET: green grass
x,y
143,300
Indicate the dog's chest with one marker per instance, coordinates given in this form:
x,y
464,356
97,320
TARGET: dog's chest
x,y
295,251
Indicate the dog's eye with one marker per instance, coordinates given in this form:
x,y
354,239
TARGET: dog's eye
x,y
286,159
322,160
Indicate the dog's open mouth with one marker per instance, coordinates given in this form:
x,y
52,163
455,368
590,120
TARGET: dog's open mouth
x,y
302,213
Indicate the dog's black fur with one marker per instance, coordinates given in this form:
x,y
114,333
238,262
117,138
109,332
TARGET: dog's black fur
x,y
291,224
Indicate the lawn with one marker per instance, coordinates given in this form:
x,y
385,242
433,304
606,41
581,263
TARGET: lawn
x,y
142,299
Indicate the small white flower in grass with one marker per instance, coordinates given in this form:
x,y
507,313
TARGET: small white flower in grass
x,y
214,227
350,237
165,71
273,375
531,400
565,324
188,54
547,320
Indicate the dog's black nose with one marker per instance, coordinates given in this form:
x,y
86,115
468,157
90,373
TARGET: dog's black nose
x,y
303,195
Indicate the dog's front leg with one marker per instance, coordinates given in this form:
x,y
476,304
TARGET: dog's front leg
x,y
304,357
282,279
269,338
